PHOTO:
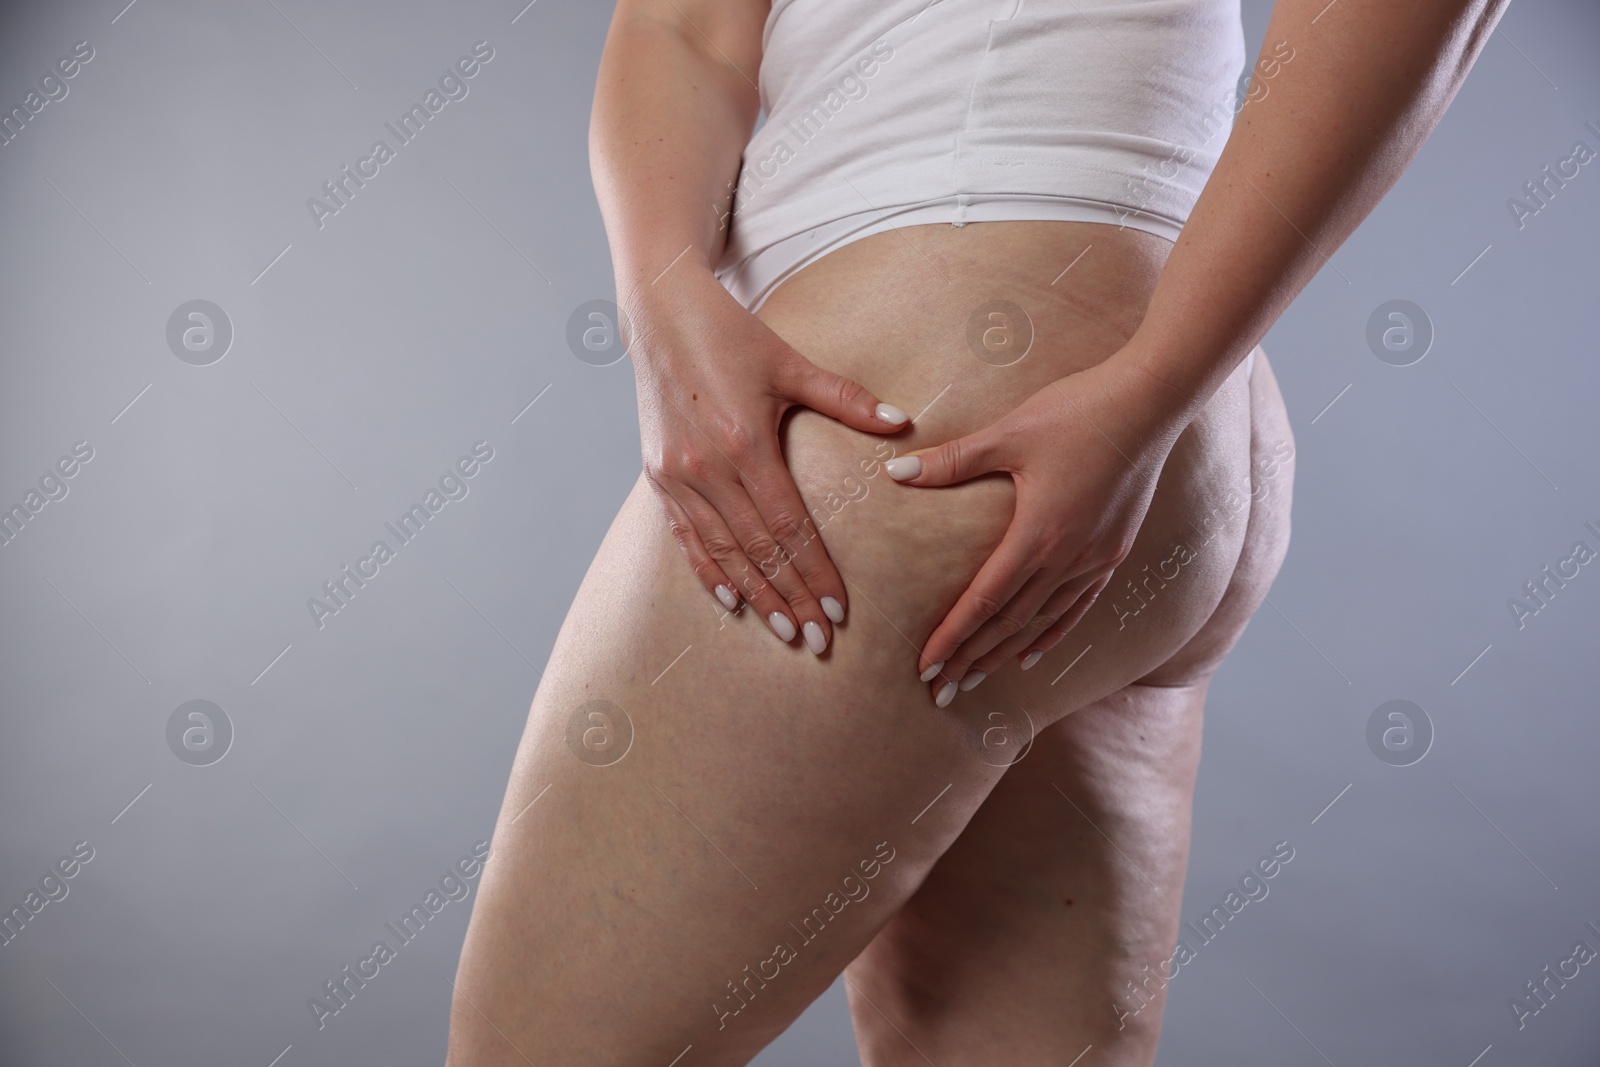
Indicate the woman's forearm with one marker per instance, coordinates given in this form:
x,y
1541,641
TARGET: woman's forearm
x,y
674,105
1305,164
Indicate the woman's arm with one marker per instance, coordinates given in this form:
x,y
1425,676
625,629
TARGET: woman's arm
x,y
1304,165
674,105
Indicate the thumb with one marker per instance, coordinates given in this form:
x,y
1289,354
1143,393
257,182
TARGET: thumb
x,y
841,398
949,463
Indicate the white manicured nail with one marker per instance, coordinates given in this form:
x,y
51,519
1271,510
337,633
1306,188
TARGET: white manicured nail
x,y
972,680
904,468
946,695
781,626
891,414
833,609
928,675
1031,658
816,640
725,595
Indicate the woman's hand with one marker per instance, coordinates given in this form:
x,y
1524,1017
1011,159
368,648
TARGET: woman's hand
x,y
714,382
1084,453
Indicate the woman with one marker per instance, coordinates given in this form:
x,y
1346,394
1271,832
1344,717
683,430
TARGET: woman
x,y
964,210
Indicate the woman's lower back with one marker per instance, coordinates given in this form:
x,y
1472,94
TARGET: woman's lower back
x,y
704,826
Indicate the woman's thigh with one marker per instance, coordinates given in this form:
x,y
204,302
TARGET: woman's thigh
x,y
704,826
1042,930
1049,925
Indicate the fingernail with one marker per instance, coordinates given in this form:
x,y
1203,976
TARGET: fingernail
x,y
891,414
973,680
816,641
833,609
904,468
928,675
946,695
781,626
725,595
1031,658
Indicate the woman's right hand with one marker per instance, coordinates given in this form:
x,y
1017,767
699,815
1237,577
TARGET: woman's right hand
x,y
714,382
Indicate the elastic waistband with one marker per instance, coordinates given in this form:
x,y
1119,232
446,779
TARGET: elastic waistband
x,y
754,278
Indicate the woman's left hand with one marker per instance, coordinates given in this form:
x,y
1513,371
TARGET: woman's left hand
x,y
1084,453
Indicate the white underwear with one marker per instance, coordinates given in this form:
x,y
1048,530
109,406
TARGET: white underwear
x,y
755,277
902,112
758,276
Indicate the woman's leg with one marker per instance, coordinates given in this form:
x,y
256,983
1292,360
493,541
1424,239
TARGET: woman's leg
x,y
771,810
1048,927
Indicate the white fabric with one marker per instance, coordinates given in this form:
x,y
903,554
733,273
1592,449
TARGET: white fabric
x,y
895,112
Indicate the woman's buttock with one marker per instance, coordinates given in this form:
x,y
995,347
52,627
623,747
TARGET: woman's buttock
x,y
962,324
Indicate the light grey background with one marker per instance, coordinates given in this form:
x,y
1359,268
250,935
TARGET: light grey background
x,y
371,353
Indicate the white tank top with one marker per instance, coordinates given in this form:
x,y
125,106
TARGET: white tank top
x,y
977,109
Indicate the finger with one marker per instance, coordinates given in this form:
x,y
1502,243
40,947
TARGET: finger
x,y
786,604
1065,624
777,498
952,462
838,397
705,567
724,546
1001,576
964,665
1048,618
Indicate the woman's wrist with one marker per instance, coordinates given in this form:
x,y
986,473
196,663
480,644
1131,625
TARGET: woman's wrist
x,y
675,296
1158,404
684,284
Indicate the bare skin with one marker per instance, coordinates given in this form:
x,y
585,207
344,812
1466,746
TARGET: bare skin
x,y
1039,930
679,870
618,906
